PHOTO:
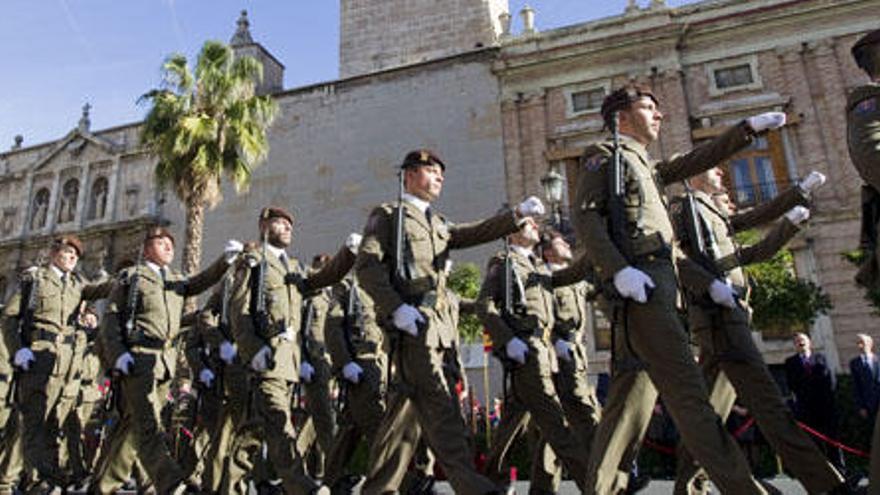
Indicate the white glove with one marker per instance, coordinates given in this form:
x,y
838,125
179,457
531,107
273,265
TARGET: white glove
x,y
532,206
353,242
631,282
797,215
723,294
563,350
352,372
764,121
228,351
23,358
813,180
206,376
306,371
517,350
232,250
260,361
124,363
406,318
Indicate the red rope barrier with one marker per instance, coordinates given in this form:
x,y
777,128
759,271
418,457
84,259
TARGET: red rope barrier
x,y
833,442
663,449
745,426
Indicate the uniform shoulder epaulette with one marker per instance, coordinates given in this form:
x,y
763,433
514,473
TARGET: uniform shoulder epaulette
x,y
595,155
861,94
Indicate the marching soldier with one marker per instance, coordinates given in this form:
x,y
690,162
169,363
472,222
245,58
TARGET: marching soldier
x,y
40,328
863,137
266,310
732,362
517,306
401,266
356,345
138,340
577,396
620,215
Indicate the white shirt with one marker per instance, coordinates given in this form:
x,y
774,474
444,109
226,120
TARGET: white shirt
x,y
522,250
156,268
58,271
419,203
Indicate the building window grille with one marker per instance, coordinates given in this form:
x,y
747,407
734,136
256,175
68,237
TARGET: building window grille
x,y
732,77
587,101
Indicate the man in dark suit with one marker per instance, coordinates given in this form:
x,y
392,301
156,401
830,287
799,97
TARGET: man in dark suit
x,y
811,383
865,369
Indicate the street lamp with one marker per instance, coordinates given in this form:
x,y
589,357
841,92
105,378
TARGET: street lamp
x,y
553,184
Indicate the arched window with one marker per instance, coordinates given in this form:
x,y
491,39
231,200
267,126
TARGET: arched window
x,y
67,204
98,201
40,210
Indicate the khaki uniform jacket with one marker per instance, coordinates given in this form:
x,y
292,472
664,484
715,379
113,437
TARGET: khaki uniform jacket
x,y
56,307
648,224
429,244
285,288
315,338
157,316
730,257
534,314
571,310
366,339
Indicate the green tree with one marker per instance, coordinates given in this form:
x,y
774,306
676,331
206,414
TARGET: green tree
x,y
782,303
204,125
465,281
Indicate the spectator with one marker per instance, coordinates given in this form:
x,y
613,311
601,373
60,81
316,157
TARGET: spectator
x,y
810,380
865,369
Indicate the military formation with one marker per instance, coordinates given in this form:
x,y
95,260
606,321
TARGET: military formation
x,y
287,370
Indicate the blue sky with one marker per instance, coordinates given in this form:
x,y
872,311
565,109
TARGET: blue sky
x,y
59,54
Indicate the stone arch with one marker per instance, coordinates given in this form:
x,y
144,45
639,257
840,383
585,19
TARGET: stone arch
x,y
98,199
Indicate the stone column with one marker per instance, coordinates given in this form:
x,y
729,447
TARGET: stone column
x,y
511,135
113,181
51,214
534,141
27,211
83,197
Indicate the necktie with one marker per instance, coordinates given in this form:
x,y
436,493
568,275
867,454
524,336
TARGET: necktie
x,y
428,215
283,258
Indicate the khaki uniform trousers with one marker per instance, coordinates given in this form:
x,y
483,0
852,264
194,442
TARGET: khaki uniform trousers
x,y
316,436
12,454
729,353
362,415
425,400
515,421
654,333
273,406
582,410
139,435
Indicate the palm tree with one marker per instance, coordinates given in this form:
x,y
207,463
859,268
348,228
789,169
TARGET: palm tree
x,y
203,126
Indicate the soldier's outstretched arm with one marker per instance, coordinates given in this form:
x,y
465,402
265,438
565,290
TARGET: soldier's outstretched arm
x,y
490,301
763,250
481,232
375,264
770,210
333,271
579,271
98,290
203,280
590,215
706,156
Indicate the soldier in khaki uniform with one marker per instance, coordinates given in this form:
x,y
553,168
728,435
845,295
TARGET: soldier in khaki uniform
x,y
642,273
524,333
145,357
410,297
355,342
316,435
269,338
732,363
44,353
863,138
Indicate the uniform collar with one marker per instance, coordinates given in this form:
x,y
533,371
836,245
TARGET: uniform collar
x,y
630,142
57,271
156,268
276,251
419,203
522,251
555,267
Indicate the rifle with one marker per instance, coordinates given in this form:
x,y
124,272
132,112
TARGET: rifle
x,y
617,196
261,313
304,347
512,305
350,324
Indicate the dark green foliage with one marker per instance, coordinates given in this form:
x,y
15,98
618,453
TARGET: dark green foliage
x,y
465,281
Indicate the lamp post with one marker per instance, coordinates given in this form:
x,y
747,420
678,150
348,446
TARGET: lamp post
x,y
554,183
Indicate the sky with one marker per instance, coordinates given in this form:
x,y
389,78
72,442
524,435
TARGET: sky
x,y
60,54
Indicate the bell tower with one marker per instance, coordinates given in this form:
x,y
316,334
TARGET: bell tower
x,y
381,34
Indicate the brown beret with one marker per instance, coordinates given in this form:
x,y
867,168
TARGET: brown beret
x,y
421,157
859,49
271,212
158,231
622,98
68,240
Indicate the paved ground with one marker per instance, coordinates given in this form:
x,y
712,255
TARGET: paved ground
x,y
656,487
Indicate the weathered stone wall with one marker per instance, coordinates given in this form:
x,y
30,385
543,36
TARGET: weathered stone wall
x,y
381,34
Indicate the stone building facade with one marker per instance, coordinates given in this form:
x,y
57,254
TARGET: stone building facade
x,y
711,63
